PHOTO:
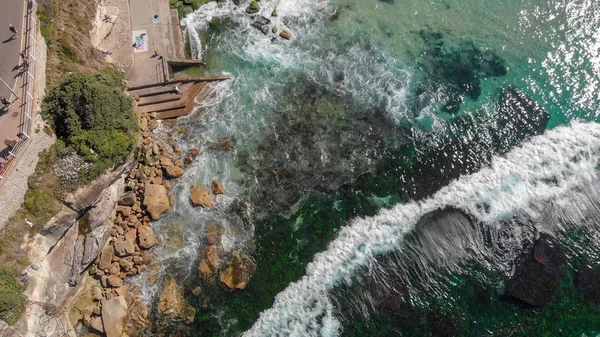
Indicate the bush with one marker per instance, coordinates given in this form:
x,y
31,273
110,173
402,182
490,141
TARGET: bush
x,y
12,300
92,115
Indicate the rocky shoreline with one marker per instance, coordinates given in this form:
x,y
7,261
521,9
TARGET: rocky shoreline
x,y
111,305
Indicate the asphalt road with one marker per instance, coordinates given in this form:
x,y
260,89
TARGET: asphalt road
x,y
11,12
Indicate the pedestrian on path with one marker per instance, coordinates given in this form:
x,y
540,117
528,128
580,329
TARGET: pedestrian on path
x,y
25,64
23,55
13,30
6,102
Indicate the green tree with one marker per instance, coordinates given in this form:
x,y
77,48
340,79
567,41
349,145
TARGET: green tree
x,y
12,300
94,117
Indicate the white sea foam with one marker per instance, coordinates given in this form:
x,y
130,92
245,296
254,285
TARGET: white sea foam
x,y
543,169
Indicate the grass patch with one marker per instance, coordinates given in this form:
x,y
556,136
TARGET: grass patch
x,y
12,300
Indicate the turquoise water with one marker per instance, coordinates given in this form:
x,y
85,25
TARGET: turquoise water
x,y
350,134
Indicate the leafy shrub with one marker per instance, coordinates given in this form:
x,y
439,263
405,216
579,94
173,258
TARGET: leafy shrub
x,y
12,300
91,114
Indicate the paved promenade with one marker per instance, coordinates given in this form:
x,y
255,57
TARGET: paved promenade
x,y
12,13
163,35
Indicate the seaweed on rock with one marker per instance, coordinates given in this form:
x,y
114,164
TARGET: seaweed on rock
x,y
458,71
320,142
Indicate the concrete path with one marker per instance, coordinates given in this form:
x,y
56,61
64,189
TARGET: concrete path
x,y
12,13
160,36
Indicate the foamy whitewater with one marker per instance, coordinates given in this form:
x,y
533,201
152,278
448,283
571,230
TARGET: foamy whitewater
x,y
373,54
544,168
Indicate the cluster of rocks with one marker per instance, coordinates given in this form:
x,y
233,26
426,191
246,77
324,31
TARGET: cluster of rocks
x,y
264,24
146,197
232,271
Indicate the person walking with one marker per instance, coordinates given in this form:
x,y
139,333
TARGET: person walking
x,y
13,30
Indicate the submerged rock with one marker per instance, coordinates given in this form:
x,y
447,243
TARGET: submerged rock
x,y
236,274
114,312
518,118
173,171
253,8
262,24
222,144
173,304
217,188
536,278
156,201
201,197
588,285
285,34
146,237
127,199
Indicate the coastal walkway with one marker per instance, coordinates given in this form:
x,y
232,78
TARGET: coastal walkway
x,y
11,74
158,42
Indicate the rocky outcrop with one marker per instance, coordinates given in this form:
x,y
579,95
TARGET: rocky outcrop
x,y
201,197
156,201
147,237
125,246
114,312
236,274
217,188
106,257
127,199
173,171
253,8
285,34
173,304
536,278
588,285
223,144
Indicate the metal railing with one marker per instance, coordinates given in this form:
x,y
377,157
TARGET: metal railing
x,y
27,100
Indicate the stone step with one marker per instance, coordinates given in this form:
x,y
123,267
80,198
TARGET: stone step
x,y
153,90
156,99
187,99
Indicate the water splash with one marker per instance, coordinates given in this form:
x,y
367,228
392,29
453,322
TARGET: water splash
x,y
544,168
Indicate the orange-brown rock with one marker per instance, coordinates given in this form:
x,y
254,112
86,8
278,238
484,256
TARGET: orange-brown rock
x,y
236,273
188,160
173,171
212,257
285,34
205,271
172,303
146,237
217,188
177,150
200,196
115,281
106,257
156,201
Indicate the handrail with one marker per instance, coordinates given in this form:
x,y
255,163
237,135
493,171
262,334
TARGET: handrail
x,y
27,87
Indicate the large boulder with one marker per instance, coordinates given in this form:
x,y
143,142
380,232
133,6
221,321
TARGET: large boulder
x,y
127,199
217,188
536,278
212,257
146,237
124,247
588,285
114,312
173,304
106,257
200,196
173,171
156,201
236,274
285,34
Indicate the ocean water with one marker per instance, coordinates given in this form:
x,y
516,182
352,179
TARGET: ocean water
x,y
354,134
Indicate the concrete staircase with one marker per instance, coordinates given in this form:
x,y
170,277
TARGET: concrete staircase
x,y
173,99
